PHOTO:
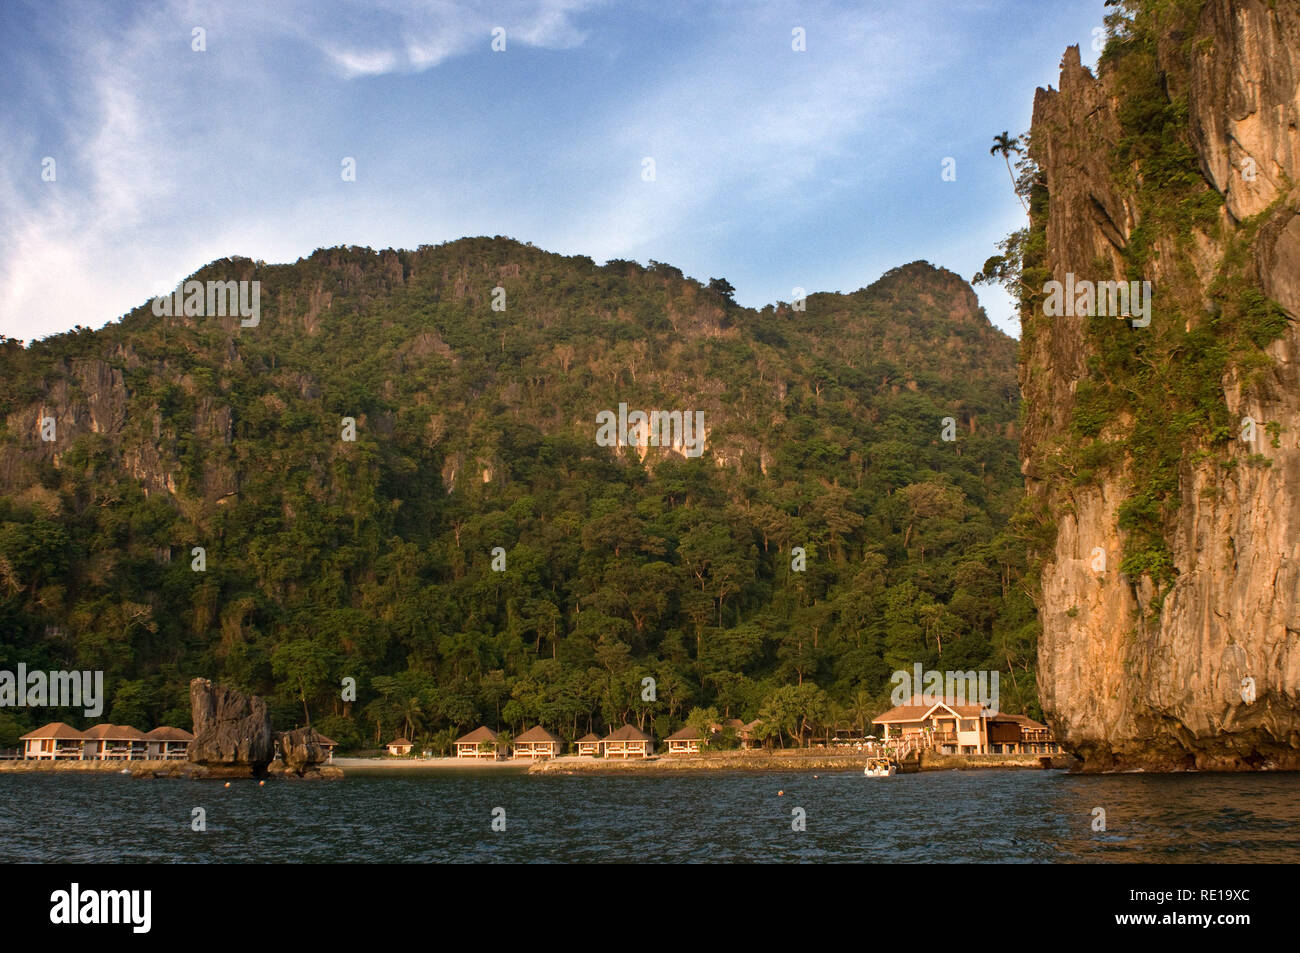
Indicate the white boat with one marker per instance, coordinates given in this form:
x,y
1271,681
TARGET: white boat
x,y
879,768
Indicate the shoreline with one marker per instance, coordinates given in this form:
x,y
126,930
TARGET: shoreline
x,y
739,762
156,768
790,759
390,765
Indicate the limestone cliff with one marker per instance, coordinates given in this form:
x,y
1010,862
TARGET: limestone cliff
x,y
1170,594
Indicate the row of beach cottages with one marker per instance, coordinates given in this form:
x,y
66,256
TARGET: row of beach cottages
x,y
61,742
628,741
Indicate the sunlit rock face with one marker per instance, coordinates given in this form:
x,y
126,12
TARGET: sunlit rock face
x,y
1211,682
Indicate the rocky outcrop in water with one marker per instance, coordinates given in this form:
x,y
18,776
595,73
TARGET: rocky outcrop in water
x,y
1204,672
303,756
231,729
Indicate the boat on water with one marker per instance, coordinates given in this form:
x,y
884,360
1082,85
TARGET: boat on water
x,y
879,768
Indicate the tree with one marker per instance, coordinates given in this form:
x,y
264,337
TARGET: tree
x,y
860,710
703,720
723,287
412,714
1005,144
305,666
780,712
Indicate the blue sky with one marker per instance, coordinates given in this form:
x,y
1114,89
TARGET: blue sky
x,y
774,168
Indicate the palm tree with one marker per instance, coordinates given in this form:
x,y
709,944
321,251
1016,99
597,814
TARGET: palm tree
x,y
412,714
836,715
861,709
1007,144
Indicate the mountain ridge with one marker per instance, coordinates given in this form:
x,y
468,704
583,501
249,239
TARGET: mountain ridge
x,y
475,429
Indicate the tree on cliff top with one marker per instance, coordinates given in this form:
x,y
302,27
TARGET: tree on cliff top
x,y
1005,144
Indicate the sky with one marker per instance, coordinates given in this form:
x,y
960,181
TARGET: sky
x,y
774,168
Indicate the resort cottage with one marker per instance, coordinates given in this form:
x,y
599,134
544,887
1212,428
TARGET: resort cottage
x,y
106,743
687,741
55,741
114,743
628,742
479,743
588,745
748,735
168,744
538,743
399,746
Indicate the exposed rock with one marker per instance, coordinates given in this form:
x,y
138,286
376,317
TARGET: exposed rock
x,y
301,749
315,772
230,728
1124,688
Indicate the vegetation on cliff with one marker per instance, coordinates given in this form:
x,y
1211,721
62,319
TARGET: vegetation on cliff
x,y
326,559
1153,397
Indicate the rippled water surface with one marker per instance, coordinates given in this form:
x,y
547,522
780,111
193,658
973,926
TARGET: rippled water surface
x,y
1008,816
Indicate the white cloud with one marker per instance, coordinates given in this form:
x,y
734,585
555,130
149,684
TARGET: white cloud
x,y
137,204
416,36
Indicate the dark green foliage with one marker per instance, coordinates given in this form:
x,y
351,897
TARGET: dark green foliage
x,y
372,560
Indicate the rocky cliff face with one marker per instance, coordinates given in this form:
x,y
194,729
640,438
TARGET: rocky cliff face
x,y
1198,667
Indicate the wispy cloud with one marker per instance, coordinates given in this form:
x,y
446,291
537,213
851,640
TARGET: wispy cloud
x,y
409,37
145,146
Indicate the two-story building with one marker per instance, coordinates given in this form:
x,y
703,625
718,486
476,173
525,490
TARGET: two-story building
x,y
965,729
950,729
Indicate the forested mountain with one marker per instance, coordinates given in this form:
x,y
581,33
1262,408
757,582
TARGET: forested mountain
x,y
475,428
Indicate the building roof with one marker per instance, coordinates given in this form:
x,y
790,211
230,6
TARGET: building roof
x,y
918,708
539,734
166,733
688,733
398,742
55,729
733,723
329,742
481,733
628,733
113,733
588,738
1024,721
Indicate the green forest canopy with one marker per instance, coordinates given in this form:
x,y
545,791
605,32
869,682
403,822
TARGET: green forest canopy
x,y
371,559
